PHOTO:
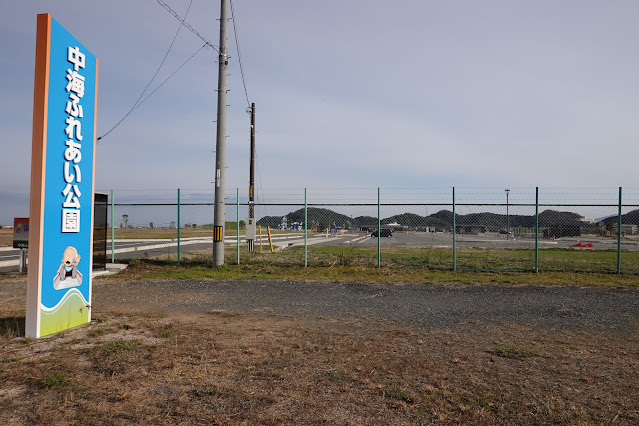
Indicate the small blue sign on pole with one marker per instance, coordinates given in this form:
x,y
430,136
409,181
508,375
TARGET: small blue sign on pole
x,y
62,182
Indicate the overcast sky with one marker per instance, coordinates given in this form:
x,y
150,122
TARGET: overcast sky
x,y
349,93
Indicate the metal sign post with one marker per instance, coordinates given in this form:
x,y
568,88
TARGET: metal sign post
x,y
23,260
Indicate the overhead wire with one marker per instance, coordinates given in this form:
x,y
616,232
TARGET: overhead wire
x,y
141,99
186,24
172,74
155,90
137,103
239,53
248,102
261,188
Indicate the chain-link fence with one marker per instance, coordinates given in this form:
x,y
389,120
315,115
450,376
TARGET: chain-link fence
x,y
517,229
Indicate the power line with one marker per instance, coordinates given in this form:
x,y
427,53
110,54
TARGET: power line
x,y
172,74
137,102
165,56
239,54
186,24
261,188
155,90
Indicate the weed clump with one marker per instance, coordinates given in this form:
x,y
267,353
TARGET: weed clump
x,y
56,380
514,352
117,347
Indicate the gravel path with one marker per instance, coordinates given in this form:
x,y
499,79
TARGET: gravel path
x,y
418,306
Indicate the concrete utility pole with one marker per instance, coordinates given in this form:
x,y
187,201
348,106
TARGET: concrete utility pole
x,y
220,147
250,224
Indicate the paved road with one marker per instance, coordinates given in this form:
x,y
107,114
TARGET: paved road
x,y
125,249
491,240
418,306
139,248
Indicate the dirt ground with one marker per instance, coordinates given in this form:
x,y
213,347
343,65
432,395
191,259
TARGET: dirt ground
x,y
156,353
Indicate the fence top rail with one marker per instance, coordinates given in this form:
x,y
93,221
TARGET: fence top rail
x,y
163,204
386,204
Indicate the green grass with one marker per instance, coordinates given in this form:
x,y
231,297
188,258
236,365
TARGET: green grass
x,y
467,259
501,260
409,265
514,352
368,274
397,393
116,347
337,376
57,380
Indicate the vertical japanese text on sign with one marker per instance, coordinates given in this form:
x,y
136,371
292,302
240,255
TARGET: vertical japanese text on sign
x,y
72,154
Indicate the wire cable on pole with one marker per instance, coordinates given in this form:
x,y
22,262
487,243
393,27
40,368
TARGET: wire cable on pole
x,y
186,24
261,188
137,102
239,54
248,102
172,74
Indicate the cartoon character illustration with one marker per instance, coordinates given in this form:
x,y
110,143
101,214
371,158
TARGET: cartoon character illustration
x,y
68,274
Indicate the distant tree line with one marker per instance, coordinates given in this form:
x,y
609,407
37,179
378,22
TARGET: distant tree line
x,y
564,223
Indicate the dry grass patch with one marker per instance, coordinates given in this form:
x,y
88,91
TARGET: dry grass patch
x,y
6,237
226,368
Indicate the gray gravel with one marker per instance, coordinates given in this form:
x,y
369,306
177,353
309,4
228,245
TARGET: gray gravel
x,y
418,306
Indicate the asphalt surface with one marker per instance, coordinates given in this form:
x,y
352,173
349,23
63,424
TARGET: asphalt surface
x,y
417,306
135,249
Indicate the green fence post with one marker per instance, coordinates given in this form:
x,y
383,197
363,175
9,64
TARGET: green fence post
x,y
536,229
379,231
237,215
112,229
454,234
178,227
305,229
619,235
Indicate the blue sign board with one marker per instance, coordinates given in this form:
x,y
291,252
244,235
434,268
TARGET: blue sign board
x,y
62,194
